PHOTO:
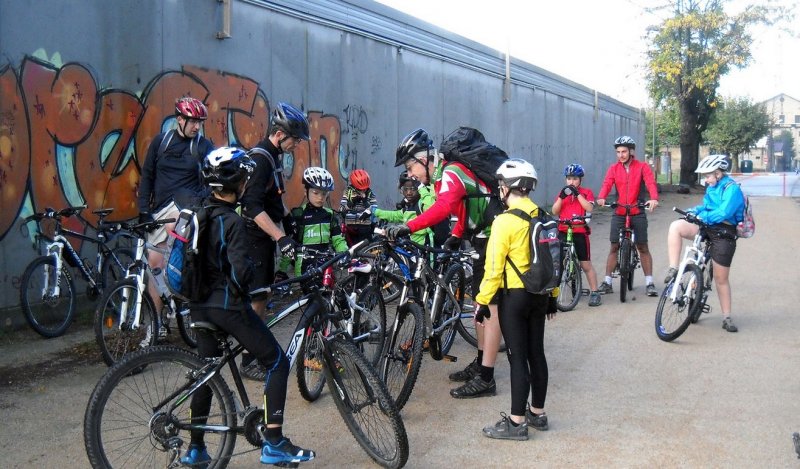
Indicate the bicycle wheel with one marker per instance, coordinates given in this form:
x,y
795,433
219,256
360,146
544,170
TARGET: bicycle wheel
x,y
634,264
450,311
570,288
403,357
365,404
369,327
383,263
48,313
624,267
128,422
117,339
114,271
310,377
184,317
673,317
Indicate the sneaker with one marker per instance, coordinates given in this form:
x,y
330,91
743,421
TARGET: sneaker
x,y
505,429
196,456
595,299
728,325
476,387
284,452
467,373
671,273
538,422
651,290
361,267
254,371
605,288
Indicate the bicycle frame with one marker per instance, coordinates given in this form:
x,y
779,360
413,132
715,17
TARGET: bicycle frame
x,y
693,254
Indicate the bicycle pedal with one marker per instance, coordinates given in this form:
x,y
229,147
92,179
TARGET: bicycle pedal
x,y
706,309
450,358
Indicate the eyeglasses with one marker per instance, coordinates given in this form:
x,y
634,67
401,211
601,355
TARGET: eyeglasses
x,y
318,192
410,163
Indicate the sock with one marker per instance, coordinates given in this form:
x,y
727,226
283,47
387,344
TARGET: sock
x,y
247,358
515,424
274,434
648,279
480,357
487,373
608,280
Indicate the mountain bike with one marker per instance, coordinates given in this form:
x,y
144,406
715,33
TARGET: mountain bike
x,y
126,318
47,290
571,287
123,425
627,255
684,298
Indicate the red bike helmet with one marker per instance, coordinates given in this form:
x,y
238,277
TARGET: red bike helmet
x,y
360,179
191,108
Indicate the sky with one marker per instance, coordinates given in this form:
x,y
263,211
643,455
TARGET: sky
x,y
601,44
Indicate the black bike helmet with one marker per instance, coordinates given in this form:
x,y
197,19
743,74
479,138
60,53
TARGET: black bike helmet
x,y
403,178
290,120
412,144
227,167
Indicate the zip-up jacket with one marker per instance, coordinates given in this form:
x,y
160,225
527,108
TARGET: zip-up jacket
x,y
317,228
226,261
174,175
265,188
723,203
628,181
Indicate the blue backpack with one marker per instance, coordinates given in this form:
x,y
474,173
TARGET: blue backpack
x,y
185,263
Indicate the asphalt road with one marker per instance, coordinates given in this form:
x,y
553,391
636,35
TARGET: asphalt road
x,y
618,396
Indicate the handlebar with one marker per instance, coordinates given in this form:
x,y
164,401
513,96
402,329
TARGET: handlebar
x,y
576,218
52,213
690,217
406,241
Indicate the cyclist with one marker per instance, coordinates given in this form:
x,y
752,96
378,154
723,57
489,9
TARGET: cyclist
x,y
263,208
317,226
627,176
171,178
574,200
407,209
453,182
227,265
722,208
357,204
521,314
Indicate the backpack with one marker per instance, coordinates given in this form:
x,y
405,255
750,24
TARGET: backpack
x,y
468,146
747,227
544,274
185,263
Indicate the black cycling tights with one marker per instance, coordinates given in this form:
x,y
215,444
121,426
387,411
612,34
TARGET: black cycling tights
x,y
257,339
522,317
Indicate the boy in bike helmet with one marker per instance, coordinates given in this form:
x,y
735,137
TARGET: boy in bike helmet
x,y
521,314
265,214
317,226
408,208
723,209
574,200
227,266
357,205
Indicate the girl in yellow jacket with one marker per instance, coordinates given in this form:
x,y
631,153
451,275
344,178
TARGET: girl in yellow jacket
x,y
521,314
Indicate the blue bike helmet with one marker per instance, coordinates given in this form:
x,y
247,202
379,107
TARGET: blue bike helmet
x,y
290,120
574,170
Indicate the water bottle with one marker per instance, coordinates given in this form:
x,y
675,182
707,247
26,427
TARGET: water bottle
x,y
327,278
161,285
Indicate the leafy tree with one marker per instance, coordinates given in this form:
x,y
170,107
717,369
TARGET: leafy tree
x,y
668,127
736,126
788,151
688,55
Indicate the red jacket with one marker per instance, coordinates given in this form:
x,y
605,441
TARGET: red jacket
x,y
628,183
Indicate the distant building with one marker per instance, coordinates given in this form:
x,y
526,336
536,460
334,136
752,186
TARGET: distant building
x,y
785,113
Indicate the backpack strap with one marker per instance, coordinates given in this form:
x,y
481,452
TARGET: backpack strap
x,y
527,217
165,141
276,180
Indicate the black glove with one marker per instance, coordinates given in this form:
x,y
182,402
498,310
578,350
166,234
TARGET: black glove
x,y
551,305
452,243
280,276
567,191
289,225
482,313
287,245
397,231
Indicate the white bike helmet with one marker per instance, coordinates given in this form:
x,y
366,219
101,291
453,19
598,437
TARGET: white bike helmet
x,y
227,167
712,163
625,141
318,178
517,173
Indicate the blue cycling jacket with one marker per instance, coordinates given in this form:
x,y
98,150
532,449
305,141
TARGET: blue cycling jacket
x,y
723,202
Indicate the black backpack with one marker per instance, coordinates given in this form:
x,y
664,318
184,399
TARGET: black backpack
x,y
185,265
468,146
544,274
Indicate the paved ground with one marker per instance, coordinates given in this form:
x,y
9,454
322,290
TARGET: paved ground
x,y
618,396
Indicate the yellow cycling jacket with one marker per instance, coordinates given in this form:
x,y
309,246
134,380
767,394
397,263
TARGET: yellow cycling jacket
x,y
509,239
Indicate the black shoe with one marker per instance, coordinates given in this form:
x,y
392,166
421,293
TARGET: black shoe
x,y
476,387
539,422
728,325
505,429
651,290
605,288
467,373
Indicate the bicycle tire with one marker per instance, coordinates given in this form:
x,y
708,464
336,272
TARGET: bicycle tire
x,y
184,318
112,272
373,324
466,326
115,342
451,307
382,263
634,263
624,267
309,369
672,318
403,356
121,428
49,316
571,286
365,404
